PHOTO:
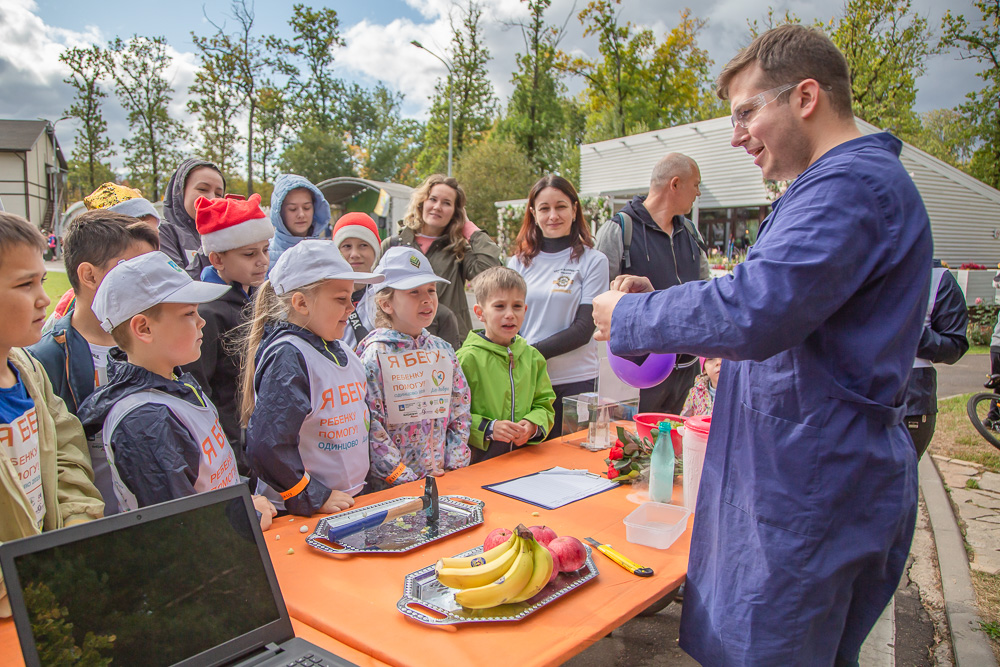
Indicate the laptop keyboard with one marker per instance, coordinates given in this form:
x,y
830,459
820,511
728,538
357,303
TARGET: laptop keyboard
x,y
309,660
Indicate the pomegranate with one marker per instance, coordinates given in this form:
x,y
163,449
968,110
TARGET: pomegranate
x,y
569,551
543,534
496,538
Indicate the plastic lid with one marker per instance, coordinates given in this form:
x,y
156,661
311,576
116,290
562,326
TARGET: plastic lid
x,y
699,424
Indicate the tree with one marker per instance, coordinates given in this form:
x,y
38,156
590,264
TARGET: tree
x,y
944,134
534,119
981,42
474,102
270,120
84,177
245,56
215,103
886,45
382,144
637,83
88,67
317,155
138,68
478,172
311,95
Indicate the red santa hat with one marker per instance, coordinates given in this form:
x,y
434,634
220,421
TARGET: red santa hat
x,y
358,226
227,224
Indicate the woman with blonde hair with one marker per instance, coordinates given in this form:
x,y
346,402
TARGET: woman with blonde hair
x,y
436,225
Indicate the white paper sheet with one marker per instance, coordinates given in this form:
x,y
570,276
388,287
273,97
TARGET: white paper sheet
x,y
555,487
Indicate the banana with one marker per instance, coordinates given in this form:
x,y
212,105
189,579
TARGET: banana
x,y
542,570
479,559
479,575
507,587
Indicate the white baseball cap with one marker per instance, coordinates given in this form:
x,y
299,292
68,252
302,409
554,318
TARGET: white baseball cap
x,y
311,261
406,268
142,282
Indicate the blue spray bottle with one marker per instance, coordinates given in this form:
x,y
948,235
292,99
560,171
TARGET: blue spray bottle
x,y
661,466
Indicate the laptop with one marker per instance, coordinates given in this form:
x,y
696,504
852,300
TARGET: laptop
x,y
188,582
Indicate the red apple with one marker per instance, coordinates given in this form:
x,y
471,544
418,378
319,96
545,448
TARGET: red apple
x,y
543,534
570,552
496,538
556,565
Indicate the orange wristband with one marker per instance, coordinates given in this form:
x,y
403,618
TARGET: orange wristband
x,y
297,489
394,475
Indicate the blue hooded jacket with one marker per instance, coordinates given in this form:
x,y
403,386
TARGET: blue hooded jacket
x,y
283,239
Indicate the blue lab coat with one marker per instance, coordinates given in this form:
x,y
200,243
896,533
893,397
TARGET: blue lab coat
x,y
808,496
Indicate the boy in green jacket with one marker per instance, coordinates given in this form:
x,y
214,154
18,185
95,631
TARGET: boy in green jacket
x,y
511,392
46,481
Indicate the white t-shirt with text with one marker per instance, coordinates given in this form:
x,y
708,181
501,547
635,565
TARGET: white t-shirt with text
x,y
557,287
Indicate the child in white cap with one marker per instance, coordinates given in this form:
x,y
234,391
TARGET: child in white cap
x,y
161,434
303,391
417,393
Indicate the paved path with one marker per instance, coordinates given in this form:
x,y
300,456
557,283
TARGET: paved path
x,y
965,377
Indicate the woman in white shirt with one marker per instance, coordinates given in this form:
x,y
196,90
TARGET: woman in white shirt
x,y
555,254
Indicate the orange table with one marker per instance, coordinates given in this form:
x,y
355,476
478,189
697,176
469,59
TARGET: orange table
x,y
10,650
352,598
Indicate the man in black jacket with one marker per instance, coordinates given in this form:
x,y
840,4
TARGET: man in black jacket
x,y
666,248
943,341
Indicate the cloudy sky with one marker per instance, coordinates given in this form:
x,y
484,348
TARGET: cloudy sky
x,y
377,35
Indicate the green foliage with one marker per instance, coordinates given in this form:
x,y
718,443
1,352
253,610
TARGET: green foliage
x,y
639,83
215,101
982,320
980,41
54,634
991,629
269,124
972,483
535,119
312,94
88,68
383,145
473,100
944,134
138,68
886,45
81,175
244,55
316,155
478,172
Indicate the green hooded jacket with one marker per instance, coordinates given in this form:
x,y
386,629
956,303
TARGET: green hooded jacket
x,y
494,373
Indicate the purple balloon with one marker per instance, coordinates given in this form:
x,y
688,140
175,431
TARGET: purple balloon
x,y
653,370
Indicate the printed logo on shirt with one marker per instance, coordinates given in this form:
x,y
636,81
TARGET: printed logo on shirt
x,y
347,393
20,444
564,280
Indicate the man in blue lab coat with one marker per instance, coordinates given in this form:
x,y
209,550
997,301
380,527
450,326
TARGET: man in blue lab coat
x,y
808,496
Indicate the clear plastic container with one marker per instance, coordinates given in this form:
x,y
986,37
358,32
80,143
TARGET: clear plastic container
x,y
656,525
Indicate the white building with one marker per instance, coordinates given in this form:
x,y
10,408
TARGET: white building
x,y
32,171
964,212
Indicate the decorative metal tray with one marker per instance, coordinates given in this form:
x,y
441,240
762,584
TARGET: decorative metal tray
x,y
423,593
455,513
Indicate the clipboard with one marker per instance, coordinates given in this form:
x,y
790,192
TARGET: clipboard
x,y
575,485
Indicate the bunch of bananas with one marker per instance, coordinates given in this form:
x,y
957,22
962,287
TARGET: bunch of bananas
x,y
511,572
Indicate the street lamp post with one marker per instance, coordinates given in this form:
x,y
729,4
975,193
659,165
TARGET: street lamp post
x,y
445,63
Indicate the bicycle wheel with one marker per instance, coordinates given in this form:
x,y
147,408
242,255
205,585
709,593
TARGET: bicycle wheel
x,y
978,408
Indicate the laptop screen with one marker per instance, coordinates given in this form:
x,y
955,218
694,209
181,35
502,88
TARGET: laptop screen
x,y
153,593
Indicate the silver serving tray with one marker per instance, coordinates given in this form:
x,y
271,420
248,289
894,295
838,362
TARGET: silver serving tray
x,y
455,513
423,592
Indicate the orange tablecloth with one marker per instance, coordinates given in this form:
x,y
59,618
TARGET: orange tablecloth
x,y
10,650
353,598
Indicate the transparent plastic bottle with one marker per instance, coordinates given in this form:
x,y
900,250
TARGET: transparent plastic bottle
x,y
661,466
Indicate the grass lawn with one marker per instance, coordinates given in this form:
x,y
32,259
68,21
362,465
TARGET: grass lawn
x,y
979,349
955,438
56,284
